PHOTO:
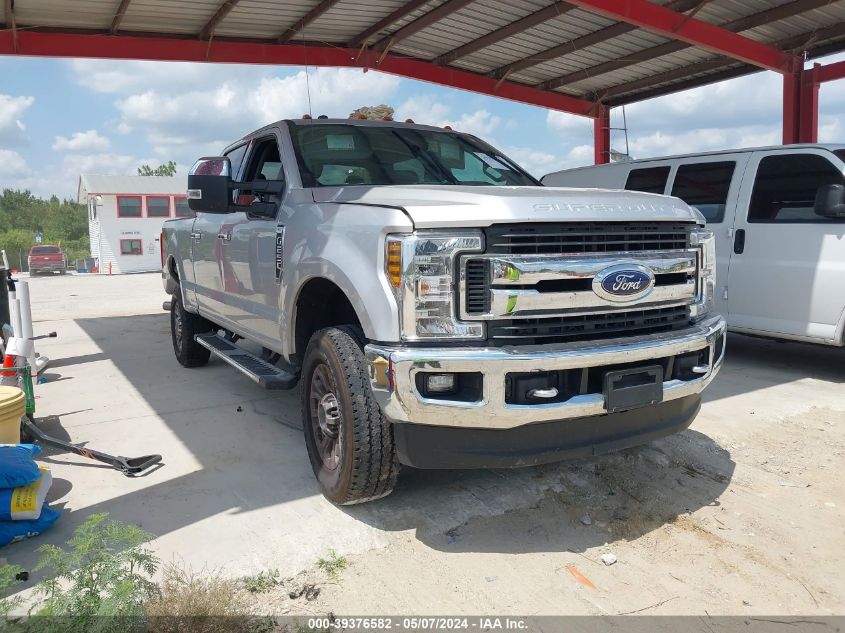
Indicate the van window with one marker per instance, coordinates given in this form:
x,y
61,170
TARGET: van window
x,y
786,185
649,180
705,186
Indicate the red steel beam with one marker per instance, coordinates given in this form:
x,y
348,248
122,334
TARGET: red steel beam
x,y
677,26
52,44
831,72
601,136
808,117
791,106
801,106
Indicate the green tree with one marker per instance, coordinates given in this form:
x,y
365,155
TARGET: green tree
x,y
168,169
62,222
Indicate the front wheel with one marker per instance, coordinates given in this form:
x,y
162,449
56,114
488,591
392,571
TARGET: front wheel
x,y
183,326
349,441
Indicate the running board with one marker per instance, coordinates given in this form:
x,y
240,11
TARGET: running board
x,y
266,375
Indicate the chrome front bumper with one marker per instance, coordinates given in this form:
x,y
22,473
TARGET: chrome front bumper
x,y
401,401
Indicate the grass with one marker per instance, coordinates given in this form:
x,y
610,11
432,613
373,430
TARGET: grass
x,y
332,564
262,582
192,601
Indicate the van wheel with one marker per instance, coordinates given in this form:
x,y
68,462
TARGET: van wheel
x,y
349,441
183,326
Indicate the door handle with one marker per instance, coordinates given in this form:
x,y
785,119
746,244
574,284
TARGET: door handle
x,y
196,236
226,237
739,241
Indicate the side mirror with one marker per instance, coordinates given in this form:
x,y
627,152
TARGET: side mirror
x,y
830,201
210,185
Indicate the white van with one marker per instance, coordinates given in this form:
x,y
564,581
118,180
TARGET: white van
x,y
779,218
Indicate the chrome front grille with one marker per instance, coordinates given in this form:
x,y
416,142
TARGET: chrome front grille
x,y
534,282
587,237
587,326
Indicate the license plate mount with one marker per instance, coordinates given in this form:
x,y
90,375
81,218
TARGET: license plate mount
x,y
631,388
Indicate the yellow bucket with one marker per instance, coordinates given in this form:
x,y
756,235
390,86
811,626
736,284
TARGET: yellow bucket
x,y
12,408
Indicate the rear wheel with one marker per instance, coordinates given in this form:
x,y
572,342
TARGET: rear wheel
x,y
349,441
183,326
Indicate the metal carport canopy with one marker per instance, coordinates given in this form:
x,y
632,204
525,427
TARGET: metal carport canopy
x,y
578,56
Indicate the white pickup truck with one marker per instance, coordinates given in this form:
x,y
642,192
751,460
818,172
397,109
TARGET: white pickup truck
x,y
440,307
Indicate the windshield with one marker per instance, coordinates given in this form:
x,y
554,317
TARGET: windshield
x,y
45,250
337,154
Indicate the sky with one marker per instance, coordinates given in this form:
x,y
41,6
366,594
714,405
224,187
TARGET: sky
x,y
60,118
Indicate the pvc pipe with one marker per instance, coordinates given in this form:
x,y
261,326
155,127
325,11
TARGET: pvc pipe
x,y
15,313
26,322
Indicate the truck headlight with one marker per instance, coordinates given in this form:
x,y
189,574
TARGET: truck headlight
x,y
705,242
420,268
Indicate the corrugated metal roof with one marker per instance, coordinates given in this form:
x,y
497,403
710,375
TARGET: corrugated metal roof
x,y
592,57
164,185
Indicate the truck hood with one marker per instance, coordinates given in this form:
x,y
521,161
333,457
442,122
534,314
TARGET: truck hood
x,y
443,206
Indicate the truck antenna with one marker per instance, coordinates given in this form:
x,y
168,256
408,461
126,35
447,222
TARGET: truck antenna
x,y
307,77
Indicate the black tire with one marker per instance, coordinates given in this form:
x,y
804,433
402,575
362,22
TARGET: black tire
x,y
183,326
349,441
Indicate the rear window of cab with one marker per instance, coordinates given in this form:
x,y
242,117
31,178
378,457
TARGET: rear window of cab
x,y
45,250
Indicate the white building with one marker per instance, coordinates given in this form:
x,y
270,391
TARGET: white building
x,y
125,214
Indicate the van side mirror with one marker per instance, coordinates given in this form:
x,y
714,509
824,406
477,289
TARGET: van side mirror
x,y
830,201
210,185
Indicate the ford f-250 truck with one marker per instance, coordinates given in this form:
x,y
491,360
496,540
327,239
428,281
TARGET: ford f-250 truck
x,y
440,307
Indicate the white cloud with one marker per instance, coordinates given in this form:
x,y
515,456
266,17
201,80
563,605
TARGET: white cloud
x,y
12,164
537,162
423,109
568,123
106,163
82,142
125,77
830,129
190,123
12,127
334,92
481,123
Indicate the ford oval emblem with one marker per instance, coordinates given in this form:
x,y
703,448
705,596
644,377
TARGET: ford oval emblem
x,y
624,282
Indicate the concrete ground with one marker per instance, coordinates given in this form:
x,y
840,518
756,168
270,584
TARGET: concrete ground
x,y
741,514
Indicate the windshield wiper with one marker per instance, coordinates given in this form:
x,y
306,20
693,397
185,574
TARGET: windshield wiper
x,y
420,154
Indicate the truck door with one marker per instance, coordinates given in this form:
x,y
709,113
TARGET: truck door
x,y
786,272
212,280
712,184
248,251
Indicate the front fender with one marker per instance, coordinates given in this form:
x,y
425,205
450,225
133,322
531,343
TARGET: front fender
x,y
345,245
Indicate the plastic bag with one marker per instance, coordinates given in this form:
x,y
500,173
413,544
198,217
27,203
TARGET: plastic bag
x,y
12,531
24,503
17,465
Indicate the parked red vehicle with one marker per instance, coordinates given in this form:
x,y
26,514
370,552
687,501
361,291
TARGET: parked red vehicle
x,y
46,258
